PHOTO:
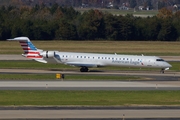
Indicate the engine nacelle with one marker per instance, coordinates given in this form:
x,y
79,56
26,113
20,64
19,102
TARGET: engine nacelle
x,y
48,54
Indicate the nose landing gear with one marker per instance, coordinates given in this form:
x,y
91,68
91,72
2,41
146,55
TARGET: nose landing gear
x,y
162,70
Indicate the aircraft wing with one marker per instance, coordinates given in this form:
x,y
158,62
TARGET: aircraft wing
x,y
40,60
77,64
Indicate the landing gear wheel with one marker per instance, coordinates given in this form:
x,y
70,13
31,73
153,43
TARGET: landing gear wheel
x,y
84,69
162,70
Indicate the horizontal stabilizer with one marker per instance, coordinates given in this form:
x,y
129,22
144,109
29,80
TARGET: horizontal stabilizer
x,y
20,39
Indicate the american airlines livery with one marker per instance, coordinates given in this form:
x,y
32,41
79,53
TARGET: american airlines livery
x,y
88,60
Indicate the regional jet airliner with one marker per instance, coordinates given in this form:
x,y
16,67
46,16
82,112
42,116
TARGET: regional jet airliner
x,y
88,60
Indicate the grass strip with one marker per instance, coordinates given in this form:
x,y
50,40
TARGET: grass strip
x,y
30,64
101,77
106,98
67,77
119,47
27,77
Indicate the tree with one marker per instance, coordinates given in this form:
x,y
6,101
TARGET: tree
x,y
25,27
111,26
176,22
91,25
126,28
161,5
167,32
1,32
152,28
148,28
16,31
149,4
43,30
164,13
133,3
54,8
66,31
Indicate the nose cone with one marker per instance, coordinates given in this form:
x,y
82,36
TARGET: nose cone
x,y
166,64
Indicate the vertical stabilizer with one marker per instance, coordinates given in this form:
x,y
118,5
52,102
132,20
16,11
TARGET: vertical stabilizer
x,y
30,51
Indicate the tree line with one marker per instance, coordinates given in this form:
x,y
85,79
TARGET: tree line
x,y
64,23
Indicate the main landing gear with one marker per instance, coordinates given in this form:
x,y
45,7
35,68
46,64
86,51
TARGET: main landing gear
x,y
84,69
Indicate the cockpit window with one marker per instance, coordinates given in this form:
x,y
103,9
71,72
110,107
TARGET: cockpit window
x,y
159,60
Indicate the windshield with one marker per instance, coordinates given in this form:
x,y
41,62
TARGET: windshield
x,y
159,60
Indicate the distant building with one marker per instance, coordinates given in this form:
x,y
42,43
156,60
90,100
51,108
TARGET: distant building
x,y
84,5
141,7
110,5
124,6
144,8
176,6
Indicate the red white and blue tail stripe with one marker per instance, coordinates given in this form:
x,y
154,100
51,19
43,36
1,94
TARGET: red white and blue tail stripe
x,y
30,51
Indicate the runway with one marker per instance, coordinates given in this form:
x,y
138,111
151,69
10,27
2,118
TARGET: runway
x,y
89,85
90,114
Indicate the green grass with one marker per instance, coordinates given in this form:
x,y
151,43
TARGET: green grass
x,y
120,47
27,76
82,98
67,77
30,64
100,77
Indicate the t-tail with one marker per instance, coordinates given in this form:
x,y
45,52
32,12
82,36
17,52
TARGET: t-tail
x,y
30,51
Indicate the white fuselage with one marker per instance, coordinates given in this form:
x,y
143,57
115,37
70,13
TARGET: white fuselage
x,y
98,60
87,60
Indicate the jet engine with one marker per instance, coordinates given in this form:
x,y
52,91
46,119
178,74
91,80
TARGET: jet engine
x,y
48,54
